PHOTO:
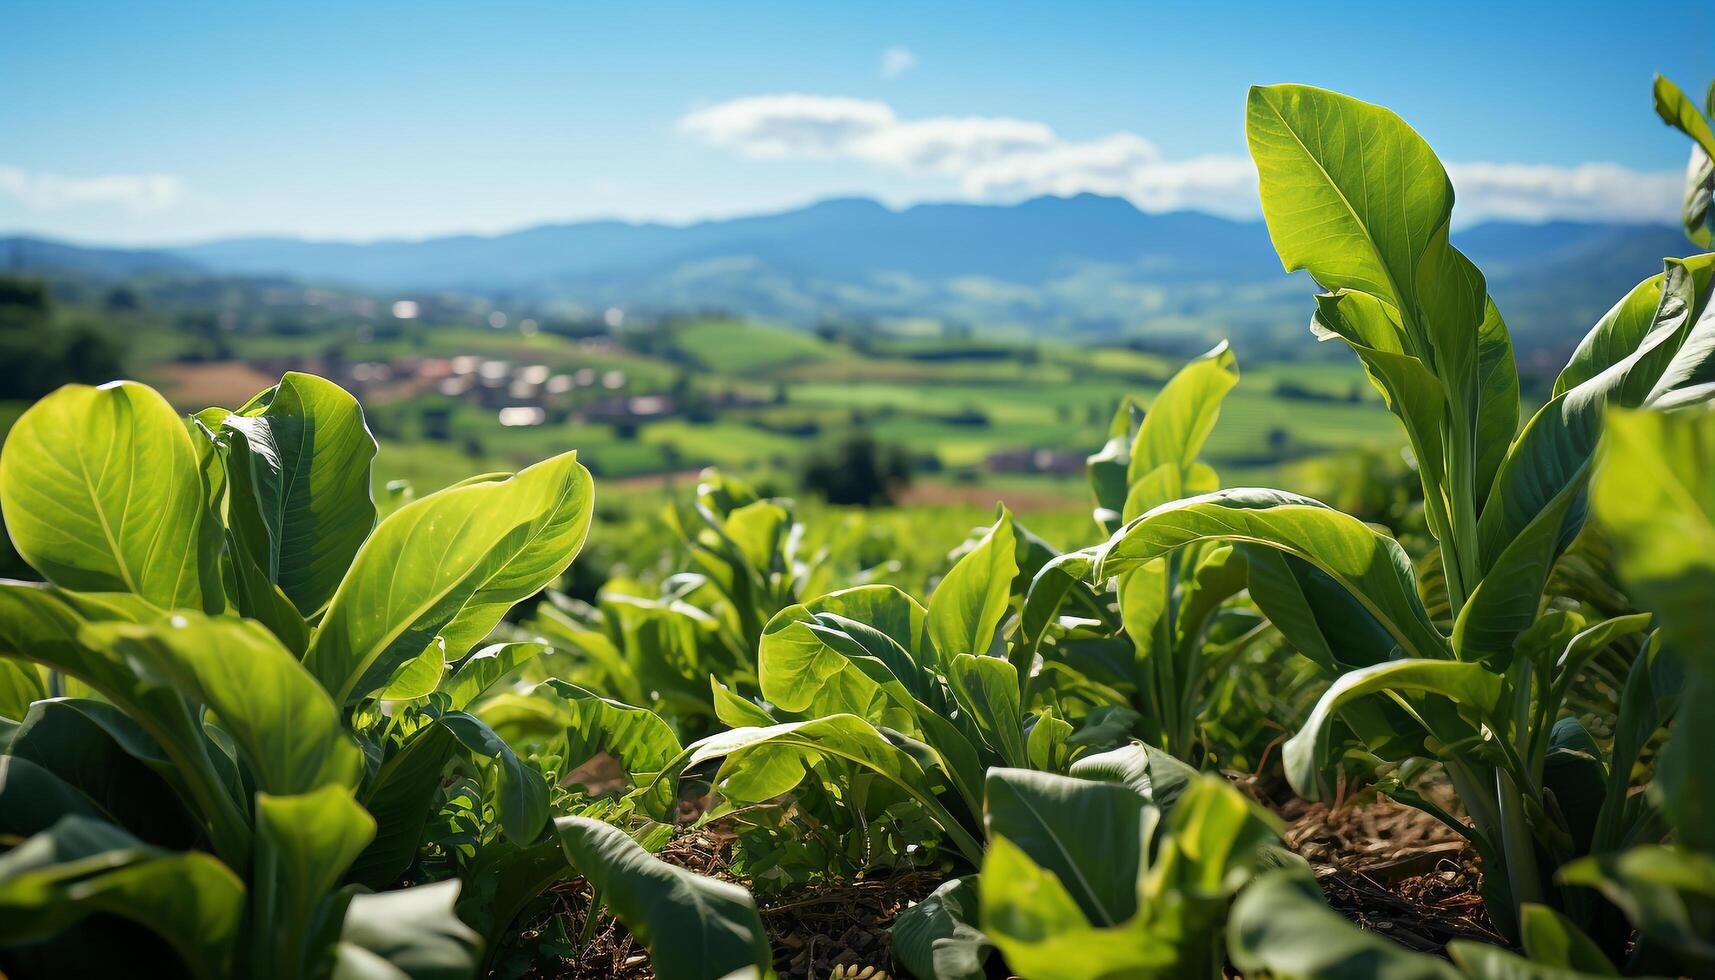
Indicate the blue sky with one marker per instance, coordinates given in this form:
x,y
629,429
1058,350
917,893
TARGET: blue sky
x,y
145,122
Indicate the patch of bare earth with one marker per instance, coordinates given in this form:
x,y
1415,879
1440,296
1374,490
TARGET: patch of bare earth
x,y
812,930
1392,869
196,386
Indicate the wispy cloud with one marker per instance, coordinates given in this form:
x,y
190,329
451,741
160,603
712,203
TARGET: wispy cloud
x,y
52,192
896,61
1000,158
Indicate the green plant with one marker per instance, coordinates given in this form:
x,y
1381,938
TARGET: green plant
x,y
1123,868
230,712
1678,111
1352,194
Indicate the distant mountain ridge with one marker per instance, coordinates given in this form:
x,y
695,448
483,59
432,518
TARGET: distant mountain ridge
x,y
1084,264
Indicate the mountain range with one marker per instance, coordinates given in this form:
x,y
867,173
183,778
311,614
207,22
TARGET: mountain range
x,y
1084,265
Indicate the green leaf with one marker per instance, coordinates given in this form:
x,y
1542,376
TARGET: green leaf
x,y
412,932
523,799
20,684
816,671
450,564
1677,110
1349,191
1372,567
1088,834
283,724
1551,940
987,689
1178,423
1154,775
300,469
1321,620
1280,927
1108,467
967,605
304,844
762,763
1667,893
110,759
1468,684
937,939
1505,603
102,493
47,625
401,797
643,743
480,671
1655,493
79,868
418,677
694,927
1557,444
33,798
1619,332
1043,934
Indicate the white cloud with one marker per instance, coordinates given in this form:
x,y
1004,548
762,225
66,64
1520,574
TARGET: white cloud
x,y
1001,158
1588,191
896,61
52,192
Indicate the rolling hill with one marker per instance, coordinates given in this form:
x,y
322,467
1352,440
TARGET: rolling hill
x,y
1083,265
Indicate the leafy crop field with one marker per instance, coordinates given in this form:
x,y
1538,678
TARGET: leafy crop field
x,y
281,701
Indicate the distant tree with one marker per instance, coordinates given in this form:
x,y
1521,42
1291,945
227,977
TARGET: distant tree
x,y
858,472
39,350
122,299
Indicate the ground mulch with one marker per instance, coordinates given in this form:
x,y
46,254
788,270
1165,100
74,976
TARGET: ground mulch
x,y
1389,868
1392,869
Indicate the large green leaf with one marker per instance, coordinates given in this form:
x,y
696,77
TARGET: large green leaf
x,y
1350,192
96,749
102,493
937,939
46,625
1656,494
638,738
695,927
450,564
1681,113
1041,930
815,671
523,794
987,689
300,470
1468,684
480,671
409,934
282,723
304,844
1178,422
1557,444
762,763
967,605
1371,566
401,797
80,867
1088,834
